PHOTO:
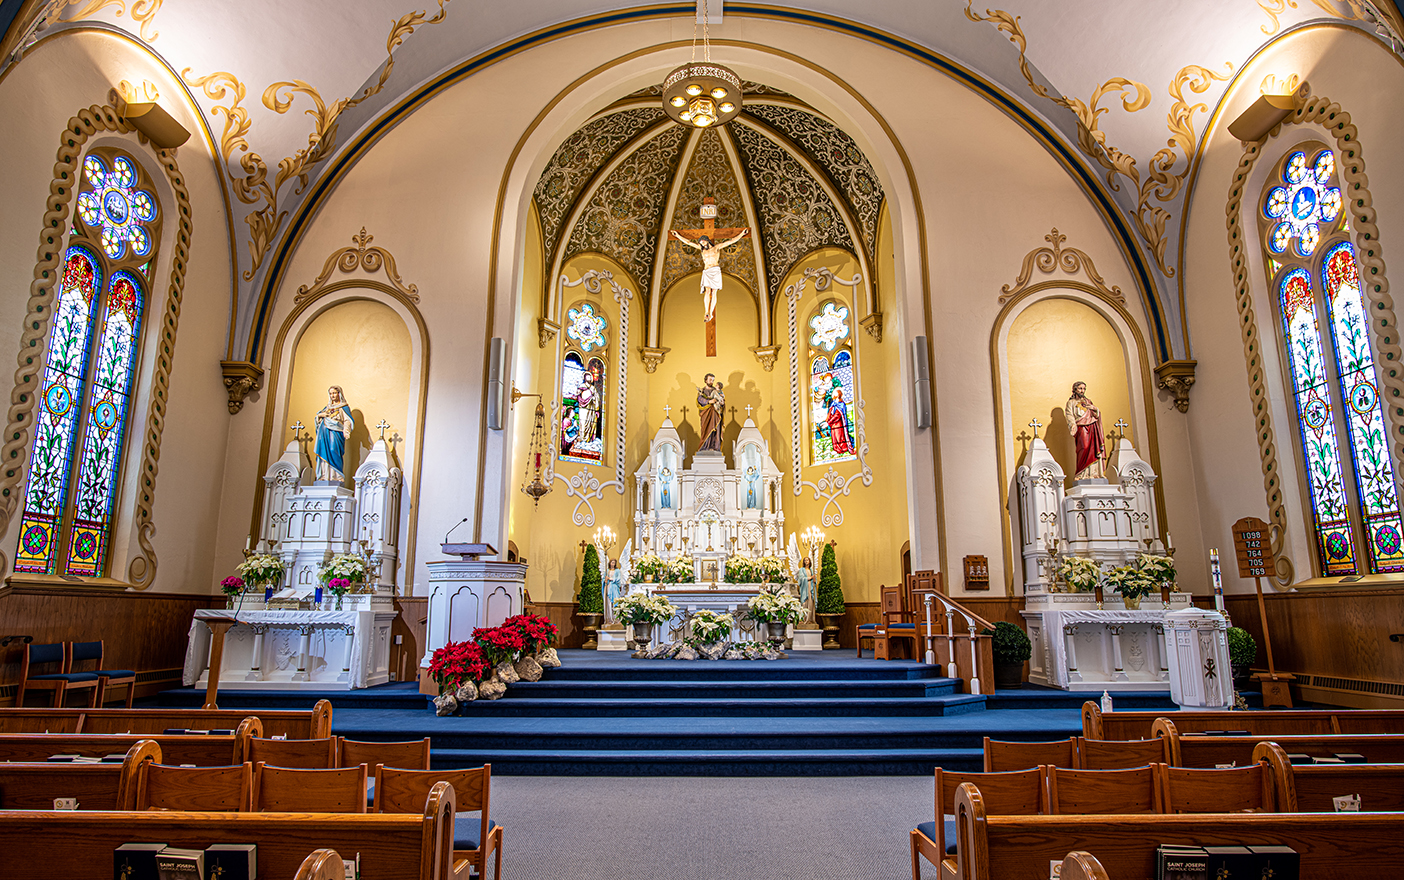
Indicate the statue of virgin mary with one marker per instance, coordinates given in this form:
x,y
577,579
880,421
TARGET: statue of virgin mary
x,y
334,425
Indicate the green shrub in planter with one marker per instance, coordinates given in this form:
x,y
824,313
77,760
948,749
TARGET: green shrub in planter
x,y
830,597
1243,651
591,599
1011,644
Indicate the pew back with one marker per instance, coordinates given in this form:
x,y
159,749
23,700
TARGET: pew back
x,y
1279,722
202,751
36,786
1212,751
313,723
1380,786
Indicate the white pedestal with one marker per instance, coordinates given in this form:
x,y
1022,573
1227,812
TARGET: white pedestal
x,y
469,593
613,639
809,640
1097,522
1200,674
294,650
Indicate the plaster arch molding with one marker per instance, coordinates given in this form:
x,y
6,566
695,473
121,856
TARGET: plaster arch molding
x,y
580,102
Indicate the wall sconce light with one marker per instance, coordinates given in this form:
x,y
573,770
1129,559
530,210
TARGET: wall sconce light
x,y
1265,113
150,119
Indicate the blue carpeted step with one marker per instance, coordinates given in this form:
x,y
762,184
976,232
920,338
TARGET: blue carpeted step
x,y
1034,697
397,695
955,704
741,670
619,689
799,762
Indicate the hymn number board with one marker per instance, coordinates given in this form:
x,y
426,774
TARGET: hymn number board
x,y
1251,545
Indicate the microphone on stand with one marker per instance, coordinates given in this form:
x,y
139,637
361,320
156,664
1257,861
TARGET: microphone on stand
x,y
455,525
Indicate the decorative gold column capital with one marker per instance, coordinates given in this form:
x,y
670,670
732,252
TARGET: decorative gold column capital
x,y
652,357
766,354
546,331
241,378
1176,377
873,324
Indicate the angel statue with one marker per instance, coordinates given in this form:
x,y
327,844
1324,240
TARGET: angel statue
x,y
804,578
616,581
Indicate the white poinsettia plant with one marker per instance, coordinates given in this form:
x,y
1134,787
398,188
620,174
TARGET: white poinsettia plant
x,y
776,606
1160,569
643,608
344,566
261,568
1080,573
709,627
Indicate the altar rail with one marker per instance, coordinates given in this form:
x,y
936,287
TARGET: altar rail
x,y
953,637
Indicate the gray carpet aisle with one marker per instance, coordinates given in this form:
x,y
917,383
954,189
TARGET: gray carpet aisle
x,y
734,828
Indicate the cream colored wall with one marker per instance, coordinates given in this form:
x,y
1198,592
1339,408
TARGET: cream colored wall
x,y
364,347
1366,80
57,77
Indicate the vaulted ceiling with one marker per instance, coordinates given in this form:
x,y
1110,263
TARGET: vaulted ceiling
x,y
1126,87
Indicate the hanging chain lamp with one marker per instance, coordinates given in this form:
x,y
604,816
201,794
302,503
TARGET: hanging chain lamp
x,y
701,94
532,482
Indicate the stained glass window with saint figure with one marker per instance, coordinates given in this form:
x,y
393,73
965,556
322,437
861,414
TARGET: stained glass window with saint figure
x,y
85,391
831,395
582,415
1350,476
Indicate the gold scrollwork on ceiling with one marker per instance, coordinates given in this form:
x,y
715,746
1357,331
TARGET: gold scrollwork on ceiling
x,y
253,187
1050,259
370,259
1274,8
1160,182
143,12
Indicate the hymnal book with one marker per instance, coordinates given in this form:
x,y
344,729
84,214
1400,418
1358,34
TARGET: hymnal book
x,y
1298,758
1181,863
1351,758
233,861
58,759
1232,863
1277,862
180,864
1319,759
136,861
87,759
1346,803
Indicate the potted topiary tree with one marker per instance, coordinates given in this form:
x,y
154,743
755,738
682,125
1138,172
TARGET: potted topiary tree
x,y
590,604
1242,652
828,602
1011,648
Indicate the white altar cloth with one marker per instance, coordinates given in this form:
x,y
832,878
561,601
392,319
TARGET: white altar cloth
x,y
1114,649
265,649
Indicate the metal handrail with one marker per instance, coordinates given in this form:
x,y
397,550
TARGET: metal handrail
x,y
973,624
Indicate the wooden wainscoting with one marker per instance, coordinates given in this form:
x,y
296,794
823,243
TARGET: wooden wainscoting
x,y
410,627
145,632
570,633
1335,640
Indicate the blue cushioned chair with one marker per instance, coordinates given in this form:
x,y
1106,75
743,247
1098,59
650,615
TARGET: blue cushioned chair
x,y
60,682
81,652
898,626
474,837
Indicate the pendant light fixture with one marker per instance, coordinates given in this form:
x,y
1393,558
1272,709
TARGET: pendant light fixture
x,y
701,94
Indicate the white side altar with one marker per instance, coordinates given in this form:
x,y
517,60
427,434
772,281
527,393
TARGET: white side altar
x,y
296,650
1075,645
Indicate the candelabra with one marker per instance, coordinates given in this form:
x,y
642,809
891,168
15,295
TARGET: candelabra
x,y
605,539
811,538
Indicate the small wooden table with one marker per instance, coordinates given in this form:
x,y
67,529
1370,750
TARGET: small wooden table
x,y
218,629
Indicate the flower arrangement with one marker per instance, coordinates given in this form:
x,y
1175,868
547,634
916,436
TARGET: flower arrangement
x,y
645,565
679,571
1131,582
232,586
499,643
261,568
346,567
1080,573
709,627
776,606
739,570
1160,569
536,631
759,570
643,608
339,587
456,663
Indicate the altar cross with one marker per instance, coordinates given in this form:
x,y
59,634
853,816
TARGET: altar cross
x,y
1035,424
748,411
382,426
708,213
667,410
1121,426
297,427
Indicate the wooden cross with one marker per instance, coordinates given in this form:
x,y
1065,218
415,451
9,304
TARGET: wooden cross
x,y
1035,424
709,228
1121,427
382,426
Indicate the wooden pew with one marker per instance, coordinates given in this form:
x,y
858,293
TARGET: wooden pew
x,y
1192,750
201,750
324,864
314,723
392,846
1380,786
1278,722
1022,847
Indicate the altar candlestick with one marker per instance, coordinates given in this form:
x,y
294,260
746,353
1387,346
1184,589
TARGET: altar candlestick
x,y
248,544
1169,543
1218,582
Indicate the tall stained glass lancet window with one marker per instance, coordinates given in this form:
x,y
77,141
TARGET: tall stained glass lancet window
x,y
582,418
1350,477
831,395
85,389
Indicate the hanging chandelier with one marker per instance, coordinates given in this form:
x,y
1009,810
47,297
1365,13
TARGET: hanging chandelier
x,y
701,94
533,483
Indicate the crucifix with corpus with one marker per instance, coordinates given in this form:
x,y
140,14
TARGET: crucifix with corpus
x,y
704,241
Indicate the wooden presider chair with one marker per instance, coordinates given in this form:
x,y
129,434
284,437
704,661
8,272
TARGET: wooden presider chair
x,y
1020,793
79,652
60,682
290,790
474,838
896,626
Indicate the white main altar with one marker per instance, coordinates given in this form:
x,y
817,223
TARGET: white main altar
x,y
1076,645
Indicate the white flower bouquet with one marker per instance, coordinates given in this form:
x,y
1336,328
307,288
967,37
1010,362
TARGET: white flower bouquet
x,y
344,566
1080,573
772,569
1160,569
262,568
643,608
710,627
1131,582
776,607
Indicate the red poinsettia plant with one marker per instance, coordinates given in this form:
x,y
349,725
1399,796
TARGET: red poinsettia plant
x,y
458,662
499,643
537,631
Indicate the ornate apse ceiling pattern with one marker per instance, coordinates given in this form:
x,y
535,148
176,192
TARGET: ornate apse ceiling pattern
x,y
253,73
709,174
